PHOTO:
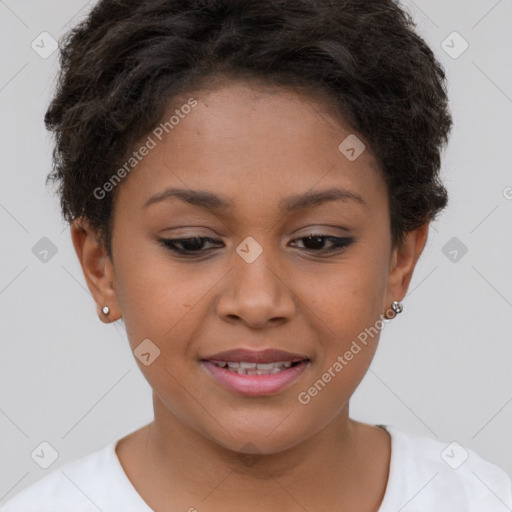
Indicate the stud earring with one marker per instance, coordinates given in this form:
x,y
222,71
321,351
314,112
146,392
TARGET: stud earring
x,y
397,306
105,310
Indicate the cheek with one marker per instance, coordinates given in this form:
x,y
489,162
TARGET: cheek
x,y
347,304
349,296
158,309
153,295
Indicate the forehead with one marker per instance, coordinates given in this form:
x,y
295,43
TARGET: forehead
x,y
253,144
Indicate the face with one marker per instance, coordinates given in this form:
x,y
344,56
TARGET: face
x,y
251,278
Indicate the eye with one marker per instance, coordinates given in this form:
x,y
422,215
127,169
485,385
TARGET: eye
x,y
187,246
314,240
194,246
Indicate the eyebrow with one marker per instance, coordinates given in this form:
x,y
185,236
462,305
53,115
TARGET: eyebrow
x,y
290,204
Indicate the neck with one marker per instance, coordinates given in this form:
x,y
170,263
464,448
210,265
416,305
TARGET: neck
x,y
186,467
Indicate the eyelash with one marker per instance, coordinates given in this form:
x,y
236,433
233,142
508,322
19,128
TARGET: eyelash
x,y
339,243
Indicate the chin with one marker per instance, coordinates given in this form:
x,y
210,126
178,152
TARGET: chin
x,y
259,437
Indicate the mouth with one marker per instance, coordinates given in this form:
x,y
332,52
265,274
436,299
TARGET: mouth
x,y
253,373
247,368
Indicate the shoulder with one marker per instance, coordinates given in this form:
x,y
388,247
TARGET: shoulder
x,y
90,483
443,475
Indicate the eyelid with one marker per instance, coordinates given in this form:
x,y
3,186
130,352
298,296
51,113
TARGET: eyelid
x,y
338,244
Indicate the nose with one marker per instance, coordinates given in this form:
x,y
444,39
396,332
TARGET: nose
x,y
256,294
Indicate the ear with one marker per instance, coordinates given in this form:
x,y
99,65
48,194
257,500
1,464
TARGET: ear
x,y
97,268
403,261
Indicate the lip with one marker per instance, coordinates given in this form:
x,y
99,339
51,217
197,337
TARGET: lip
x,y
255,385
269,355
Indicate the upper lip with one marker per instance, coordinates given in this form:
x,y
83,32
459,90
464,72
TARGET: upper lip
x,y
269,355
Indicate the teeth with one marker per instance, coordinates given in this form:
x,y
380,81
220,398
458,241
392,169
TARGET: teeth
x,y
265,366
246,365
244,368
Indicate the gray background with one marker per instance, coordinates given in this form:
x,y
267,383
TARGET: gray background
x,y
442,368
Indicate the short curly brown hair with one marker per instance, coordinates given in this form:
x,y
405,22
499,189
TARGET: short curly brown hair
x,y
123,65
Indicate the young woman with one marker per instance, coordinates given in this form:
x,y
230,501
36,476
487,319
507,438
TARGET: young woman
x,y
249,185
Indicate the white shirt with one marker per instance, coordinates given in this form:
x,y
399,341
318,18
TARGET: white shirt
x,y
419,481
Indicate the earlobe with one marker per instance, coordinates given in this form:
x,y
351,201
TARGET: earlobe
x,y
97,268
403,262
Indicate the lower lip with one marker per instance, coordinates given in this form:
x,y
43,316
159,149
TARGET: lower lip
x,y
255,385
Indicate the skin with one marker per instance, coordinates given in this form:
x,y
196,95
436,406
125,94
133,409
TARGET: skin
x,y
256,147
